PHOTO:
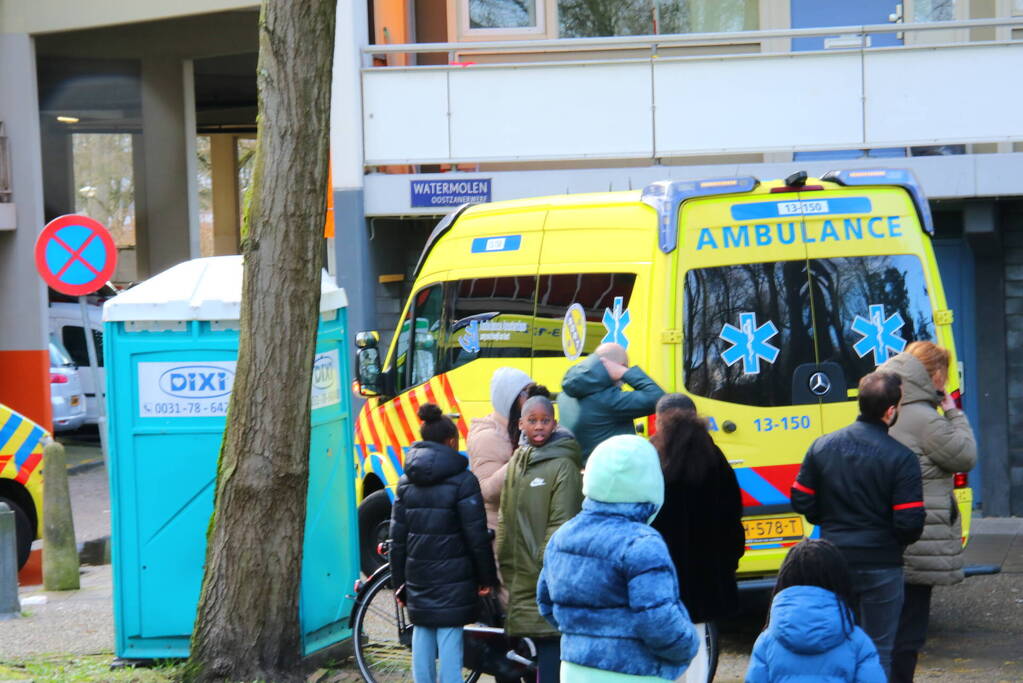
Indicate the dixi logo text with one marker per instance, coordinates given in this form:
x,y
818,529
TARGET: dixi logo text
x,y
197,381
324,372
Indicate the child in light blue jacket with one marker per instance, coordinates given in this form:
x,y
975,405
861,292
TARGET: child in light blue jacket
x,y
811,632
608,583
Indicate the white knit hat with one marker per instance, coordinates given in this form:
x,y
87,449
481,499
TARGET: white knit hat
x,y
505,386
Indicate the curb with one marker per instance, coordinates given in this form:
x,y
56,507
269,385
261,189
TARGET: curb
x,y
95,552
85,466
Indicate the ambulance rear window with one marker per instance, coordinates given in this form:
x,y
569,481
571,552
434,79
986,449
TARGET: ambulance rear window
x,y
868,308
747,327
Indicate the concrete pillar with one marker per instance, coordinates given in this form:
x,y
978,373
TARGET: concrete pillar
x,y
165,206
226,212
58,170
354,265
24,358
981,231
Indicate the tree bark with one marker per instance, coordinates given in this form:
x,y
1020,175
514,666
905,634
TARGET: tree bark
x,y
247,626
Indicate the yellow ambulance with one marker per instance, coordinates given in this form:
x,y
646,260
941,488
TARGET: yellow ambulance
x,y
21,476
764,301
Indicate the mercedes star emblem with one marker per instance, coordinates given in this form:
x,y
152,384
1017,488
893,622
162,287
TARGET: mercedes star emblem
x,y
819,383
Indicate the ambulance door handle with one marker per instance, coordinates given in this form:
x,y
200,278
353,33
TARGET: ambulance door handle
x,y
736,462
453,416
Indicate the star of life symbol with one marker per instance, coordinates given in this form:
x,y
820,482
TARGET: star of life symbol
x,y
616,320
880,334
749,343
470,341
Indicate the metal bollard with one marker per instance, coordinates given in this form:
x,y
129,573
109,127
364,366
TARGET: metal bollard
x,y
10,607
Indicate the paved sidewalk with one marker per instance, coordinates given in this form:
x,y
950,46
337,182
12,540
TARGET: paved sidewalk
x,y
997,541
962,647
69,622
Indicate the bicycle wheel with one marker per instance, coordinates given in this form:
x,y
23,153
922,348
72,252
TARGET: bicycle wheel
x,y
713,651
383,636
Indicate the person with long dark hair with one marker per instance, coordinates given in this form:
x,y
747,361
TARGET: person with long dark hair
x,y
701,520
811,632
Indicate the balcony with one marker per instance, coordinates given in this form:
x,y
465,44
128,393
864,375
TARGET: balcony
x,y
8,219
648,100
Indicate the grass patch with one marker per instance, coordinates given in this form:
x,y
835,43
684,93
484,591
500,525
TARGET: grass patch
x,y
85,668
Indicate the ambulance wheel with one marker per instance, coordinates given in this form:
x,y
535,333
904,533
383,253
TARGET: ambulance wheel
x,y
374,529
22,531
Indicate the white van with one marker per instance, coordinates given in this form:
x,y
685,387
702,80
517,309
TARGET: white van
x,y
66,327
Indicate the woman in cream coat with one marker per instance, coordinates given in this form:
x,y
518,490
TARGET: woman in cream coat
x,y
944,444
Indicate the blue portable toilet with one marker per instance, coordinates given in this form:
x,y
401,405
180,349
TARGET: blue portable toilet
x,y
170,347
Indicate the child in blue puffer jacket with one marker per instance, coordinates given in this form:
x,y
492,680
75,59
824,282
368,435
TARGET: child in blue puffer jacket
x,y
811,632
608,583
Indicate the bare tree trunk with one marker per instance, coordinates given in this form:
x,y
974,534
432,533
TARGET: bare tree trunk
x,y
247,626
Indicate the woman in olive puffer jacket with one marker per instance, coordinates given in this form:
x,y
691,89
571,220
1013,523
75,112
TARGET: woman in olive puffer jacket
x,y
944,444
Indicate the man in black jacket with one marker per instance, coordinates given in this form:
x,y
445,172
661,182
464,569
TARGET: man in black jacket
x,y
863,489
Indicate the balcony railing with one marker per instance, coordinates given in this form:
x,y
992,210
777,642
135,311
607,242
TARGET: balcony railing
x,y
5,167
645,97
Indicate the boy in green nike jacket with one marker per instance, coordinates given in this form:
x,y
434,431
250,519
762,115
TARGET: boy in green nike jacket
x,y
542,491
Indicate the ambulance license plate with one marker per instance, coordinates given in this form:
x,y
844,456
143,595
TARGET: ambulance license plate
x,y
773,529
74,400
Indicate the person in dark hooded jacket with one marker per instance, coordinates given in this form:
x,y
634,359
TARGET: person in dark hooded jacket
x,y
441,560
811,633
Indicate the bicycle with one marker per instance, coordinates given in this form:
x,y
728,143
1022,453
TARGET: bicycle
x,y
382,637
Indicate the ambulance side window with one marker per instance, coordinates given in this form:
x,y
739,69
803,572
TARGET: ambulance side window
x,y
746,329
595,292
422,334
857,297
491,317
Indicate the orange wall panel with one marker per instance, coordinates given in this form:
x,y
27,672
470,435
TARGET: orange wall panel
x,y
25,385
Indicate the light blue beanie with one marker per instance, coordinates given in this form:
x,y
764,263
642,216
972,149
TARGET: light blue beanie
x,y
624,469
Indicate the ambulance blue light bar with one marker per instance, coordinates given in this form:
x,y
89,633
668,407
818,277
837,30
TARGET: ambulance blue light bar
x,y
900,177
667,197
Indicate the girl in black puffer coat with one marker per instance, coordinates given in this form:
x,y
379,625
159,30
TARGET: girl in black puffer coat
x,y
441,560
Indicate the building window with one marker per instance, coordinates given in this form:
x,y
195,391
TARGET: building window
x,y
934,10
503,14
592,18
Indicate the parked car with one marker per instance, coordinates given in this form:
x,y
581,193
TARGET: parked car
x,y
66,328
66,393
